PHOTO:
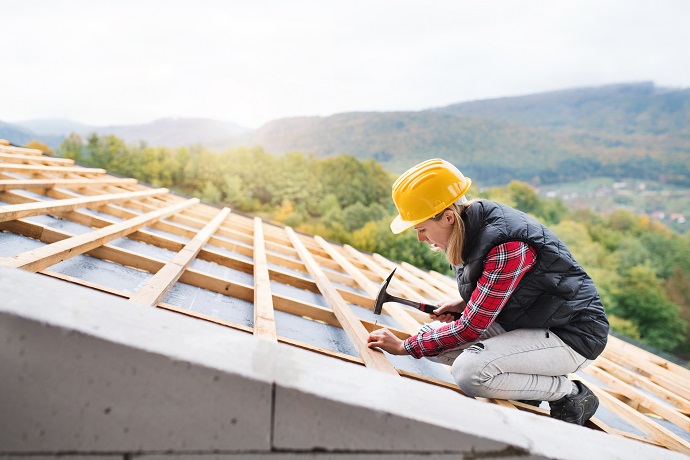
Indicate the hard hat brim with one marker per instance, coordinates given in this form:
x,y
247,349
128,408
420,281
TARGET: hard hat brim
x,y
399,225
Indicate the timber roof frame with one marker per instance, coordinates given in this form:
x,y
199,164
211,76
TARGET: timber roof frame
x,y
636,386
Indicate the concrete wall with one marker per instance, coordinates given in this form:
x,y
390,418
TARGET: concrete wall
x,y
84,374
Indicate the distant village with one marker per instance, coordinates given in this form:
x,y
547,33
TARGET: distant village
x,y
671,207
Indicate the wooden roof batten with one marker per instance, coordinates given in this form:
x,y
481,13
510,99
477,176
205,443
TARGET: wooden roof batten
x,y
632,384
355,331
156,288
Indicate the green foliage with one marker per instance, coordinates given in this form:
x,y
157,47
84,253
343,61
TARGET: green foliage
x,y
357,215
642,300
210,193
354,181
72,147
624,326
522,196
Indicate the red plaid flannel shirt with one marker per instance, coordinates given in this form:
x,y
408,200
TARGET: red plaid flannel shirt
x,y
504,268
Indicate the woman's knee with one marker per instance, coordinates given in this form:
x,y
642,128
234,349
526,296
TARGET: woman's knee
x,y
468,372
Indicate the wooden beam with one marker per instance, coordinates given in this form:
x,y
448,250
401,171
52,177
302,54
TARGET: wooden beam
x,y
192,277
264,320
411,281
406,321
672,371
632,378
45,256
649,370
350,323
28,184
409,318
658,433
30,169
18,211
442,289
7,148
155,289
20,158
658,408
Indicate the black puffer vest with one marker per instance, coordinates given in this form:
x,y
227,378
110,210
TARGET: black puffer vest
x,y
556,294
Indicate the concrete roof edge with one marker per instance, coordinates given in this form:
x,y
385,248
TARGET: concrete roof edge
x,y
347,405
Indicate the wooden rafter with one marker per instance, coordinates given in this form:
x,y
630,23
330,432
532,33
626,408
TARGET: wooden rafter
x,y
155,289
402,317
350,323
636,380
642,422
264,321
45,256
659,408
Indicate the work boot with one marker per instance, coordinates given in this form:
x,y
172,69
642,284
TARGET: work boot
x,y
575,409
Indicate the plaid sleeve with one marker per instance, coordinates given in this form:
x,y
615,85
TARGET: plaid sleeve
x,y
505,266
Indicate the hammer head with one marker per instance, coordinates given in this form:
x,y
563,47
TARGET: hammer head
x,y
382,296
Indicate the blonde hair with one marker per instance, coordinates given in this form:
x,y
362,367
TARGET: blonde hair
x,y
456,240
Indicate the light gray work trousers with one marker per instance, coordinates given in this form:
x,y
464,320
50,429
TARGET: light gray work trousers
x,y
523,364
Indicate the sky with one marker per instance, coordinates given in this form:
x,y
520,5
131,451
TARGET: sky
x,y
248,62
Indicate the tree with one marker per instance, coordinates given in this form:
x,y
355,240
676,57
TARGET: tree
x,y
642,300
108,152
295,180
72,147
352,181
236,195
210,193
525,198
34,144
357,215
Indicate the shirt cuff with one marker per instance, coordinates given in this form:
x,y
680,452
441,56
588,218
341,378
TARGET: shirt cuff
x,y
412,347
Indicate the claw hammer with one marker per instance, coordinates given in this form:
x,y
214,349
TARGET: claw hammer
x,y
384,297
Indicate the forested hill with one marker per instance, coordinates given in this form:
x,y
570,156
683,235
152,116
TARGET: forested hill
x,y
638,108
627,130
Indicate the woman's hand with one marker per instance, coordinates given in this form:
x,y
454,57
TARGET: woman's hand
x,y
385,340
442,313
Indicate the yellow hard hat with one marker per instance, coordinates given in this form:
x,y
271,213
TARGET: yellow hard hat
x,y
425,190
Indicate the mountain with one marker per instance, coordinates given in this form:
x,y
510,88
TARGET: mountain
x,y
634,130
174,132
54,126
399,139
640,108
15,134
20,135
169,132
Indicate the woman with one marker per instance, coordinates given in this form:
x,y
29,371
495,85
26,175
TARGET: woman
x,y
530,315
